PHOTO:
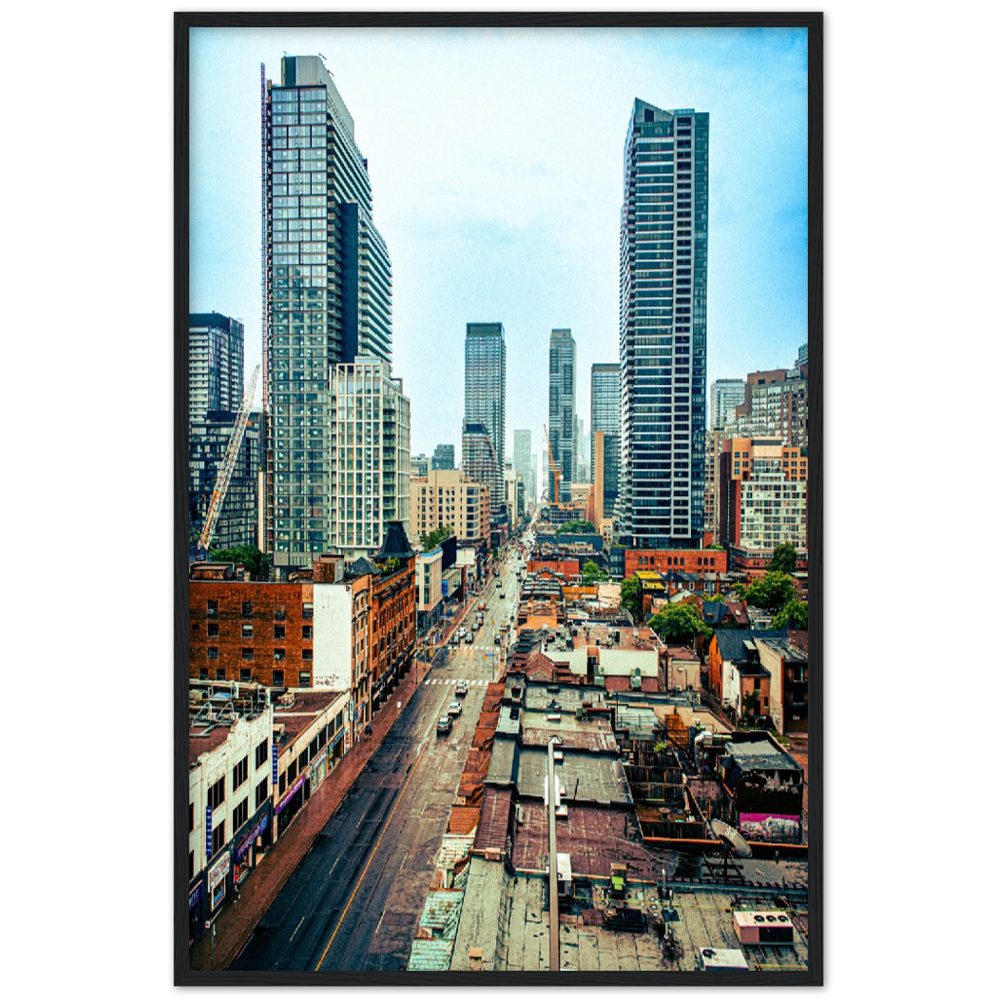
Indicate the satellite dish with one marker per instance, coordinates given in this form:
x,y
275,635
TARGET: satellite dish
x,y
731,838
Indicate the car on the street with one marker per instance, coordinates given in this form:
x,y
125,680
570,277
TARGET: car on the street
x,y
501,593
461,689
499,585
470,638
482,605
455,639
496,639
461,632
454,708
444,725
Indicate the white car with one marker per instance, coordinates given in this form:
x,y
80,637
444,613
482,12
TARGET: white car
x,y
455,708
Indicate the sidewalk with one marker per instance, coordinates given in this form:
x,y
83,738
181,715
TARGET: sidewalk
x,y
236,922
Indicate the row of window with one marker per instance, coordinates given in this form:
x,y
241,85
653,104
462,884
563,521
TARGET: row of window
x,y
246,611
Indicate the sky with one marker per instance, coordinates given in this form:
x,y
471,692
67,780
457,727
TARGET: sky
x,y
495,158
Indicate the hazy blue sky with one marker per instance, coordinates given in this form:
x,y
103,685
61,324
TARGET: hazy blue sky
x,y
496,164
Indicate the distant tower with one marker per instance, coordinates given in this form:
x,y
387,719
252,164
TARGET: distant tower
x,y
444,457
606,416
485,407
725,395
562,410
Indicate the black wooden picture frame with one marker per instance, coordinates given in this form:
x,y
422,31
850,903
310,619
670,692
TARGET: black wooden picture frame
x,y
813,23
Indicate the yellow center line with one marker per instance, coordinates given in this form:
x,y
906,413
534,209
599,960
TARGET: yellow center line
x,y
402,792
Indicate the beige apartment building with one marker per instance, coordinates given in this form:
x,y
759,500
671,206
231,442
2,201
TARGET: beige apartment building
x,y
447,496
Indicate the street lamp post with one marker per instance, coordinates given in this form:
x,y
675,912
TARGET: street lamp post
x,y
554,964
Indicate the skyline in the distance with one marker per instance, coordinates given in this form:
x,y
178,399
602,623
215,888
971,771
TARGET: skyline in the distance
x,y
512,215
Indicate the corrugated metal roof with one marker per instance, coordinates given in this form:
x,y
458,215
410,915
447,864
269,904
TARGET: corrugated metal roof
x,y
430,956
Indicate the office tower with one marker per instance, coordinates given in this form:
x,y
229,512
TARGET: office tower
x,y
327,299
479,463
775,405
522,461
724,396
664,258
444,457
485,407
581,461
372,434
420,465
803,359
562,411
215,386
606,417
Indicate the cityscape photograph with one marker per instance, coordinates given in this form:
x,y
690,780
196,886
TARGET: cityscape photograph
x,y
498,503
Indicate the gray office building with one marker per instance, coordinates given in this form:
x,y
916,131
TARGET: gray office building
x,y
562,411
522,462
327,300
606,416
443,457
724,396
664,272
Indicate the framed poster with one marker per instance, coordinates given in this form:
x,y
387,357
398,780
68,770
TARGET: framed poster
x,y
488,130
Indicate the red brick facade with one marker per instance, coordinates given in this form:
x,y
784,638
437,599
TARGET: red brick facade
x,y
258,632
392,621
678,560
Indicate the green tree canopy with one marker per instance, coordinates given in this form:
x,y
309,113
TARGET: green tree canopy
x,y
576,528
593,573
679,623
631,597
434,538
783,560
250,556
793,614
772,591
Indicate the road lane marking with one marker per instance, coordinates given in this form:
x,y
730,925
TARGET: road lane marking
x,y
371,858
298,925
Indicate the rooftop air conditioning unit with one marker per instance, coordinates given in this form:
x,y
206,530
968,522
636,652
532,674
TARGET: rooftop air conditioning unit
x,y
723,960
768,927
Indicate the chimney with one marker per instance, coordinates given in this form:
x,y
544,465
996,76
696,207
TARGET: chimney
x,y
475,959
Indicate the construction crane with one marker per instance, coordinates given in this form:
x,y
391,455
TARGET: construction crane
x,y
228,464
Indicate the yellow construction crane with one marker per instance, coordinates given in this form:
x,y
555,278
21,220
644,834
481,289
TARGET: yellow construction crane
x,y
228,464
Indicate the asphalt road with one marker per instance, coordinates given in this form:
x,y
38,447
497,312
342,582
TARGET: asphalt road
x,y
354,901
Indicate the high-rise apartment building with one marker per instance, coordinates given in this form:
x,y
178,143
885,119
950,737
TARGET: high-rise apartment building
x,y
444,457
562,411
215,383
327,301
775,404
522,461
449,497
372,468
606,416
725,395
420,465
664,272
485,407
803,357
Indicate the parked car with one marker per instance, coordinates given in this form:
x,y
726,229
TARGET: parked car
x,y
454,708
461,632
470,638
482,605
444,725
455,639
461,689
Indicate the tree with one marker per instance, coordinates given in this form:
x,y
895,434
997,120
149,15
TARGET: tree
x,y
793,614
772,591
434,538
592,573
250,556
783,560
631,597
679,623
576,528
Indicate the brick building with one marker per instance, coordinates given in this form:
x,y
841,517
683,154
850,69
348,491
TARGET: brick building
x,y
698,561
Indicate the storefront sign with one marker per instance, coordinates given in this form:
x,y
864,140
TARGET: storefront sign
x,y
251,837
208,831
274,763
288,795
317,773
218,872
219,895
194,896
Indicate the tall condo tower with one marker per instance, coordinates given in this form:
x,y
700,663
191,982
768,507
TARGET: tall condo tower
x,y
327,282
485,408
562,410
606,416
662,341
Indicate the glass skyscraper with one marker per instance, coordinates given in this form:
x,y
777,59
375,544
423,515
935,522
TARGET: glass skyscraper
x,y
606,416
664,272
522,461
327,300
485,407
562,411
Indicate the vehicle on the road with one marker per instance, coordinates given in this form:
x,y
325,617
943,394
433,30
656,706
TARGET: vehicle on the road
x,y
461,689
462,631
455,639
482,605
470,639
454,708
496,639
444,725
499,585
501,593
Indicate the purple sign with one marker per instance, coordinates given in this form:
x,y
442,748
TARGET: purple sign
x,y
291,791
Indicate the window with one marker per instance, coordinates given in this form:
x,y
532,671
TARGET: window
x,y
307,610
246,653
213,652
248,631
213,630
212,608
218,837
305,678
307,631
281,784
245,675
279,654
240,814
190,866
217,793
260,754
203,674
307,654
247,609
279,613
260,794
240,773
190,817
293,770
279,631
220,673
278,678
